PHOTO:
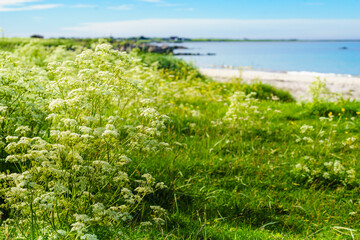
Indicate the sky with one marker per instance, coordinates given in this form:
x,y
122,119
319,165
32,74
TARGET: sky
x,y
236,19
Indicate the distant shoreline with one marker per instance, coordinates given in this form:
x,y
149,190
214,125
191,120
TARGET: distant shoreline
x,y
270,40
183,40
297,83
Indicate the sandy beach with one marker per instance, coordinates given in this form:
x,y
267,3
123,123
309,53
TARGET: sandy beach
x,y
297,83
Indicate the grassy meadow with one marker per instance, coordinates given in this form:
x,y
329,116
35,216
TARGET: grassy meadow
x,y
101,144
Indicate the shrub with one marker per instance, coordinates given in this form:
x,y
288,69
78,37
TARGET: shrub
x,y
267,92
68,130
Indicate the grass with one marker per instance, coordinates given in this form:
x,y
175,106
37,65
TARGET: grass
x,y
248,181
238,166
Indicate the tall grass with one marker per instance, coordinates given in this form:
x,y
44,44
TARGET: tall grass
x,y
107,145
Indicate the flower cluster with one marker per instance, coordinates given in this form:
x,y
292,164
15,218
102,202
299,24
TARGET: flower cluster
x,y
67,129
247,114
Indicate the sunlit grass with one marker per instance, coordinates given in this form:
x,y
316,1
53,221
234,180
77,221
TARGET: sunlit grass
x,y
104,145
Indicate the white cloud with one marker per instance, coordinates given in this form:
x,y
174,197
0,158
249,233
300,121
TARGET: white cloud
x,y
15,2
29,8
20,5
83,6
121,7
223,28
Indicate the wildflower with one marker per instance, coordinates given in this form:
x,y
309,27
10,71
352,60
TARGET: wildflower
x,y
158,210
105,166
123,160
351,173
22,130
69,122
145,224
78,227
121,177
148,177
330,114
110,133
159,221
326,175
11,139
161,185
98,131
56,104
85,129
305,128
61,232
149,113
338,168
3,109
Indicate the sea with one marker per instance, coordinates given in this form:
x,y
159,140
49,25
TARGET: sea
x,y
338,57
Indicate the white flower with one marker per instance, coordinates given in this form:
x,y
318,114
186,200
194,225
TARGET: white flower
x,y
145,224
338,168
351,173
121,177
78,227
123,160
149,113
103,47
69,122
82,218
98,208
22,130
308,139
98,131
11,139
148,177
61,232
56,104
109,134
306,128
3,109
159,220
147,101
326,175
104,165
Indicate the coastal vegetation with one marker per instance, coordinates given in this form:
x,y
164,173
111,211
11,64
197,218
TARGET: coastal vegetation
x,y
101,144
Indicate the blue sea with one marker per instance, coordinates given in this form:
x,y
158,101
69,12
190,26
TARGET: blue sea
x,y
313,56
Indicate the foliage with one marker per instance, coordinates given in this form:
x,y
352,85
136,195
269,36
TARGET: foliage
x,y
267,92
172,66
67,130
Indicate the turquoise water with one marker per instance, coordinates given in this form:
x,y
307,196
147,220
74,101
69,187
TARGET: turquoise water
x,y
323,57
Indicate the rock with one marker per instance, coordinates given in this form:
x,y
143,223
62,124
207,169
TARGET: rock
x,y
145,47
36,36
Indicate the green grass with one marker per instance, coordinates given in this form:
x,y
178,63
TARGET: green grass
x,y
237,167
248,181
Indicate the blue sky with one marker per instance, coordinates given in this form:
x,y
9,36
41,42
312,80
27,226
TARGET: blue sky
x,y
303,19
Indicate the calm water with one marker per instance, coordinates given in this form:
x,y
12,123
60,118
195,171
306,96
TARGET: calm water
x,y
324,57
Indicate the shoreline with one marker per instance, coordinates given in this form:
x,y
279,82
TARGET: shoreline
x,y
297,83
302,72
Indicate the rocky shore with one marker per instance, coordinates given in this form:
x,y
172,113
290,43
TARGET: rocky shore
x,y
147,47
162,49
